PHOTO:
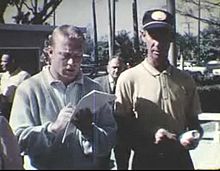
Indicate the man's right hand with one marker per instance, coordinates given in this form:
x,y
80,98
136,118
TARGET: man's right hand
x,y
163,134
62,119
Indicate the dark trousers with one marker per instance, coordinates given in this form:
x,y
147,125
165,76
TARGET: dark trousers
x,y
5,110
166,156
104,163
122,154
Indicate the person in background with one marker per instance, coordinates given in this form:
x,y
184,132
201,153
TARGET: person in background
x,y
10,158
157,103
45,103
13,76
114,68
108,82
45,59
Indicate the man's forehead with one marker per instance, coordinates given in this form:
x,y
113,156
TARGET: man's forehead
x,y
68,44
159,31
115,63
5,57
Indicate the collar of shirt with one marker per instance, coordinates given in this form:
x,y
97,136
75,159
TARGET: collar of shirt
x,y
51,80
13,73
153,71
111,80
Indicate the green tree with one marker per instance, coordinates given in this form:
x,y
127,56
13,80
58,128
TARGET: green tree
x,y
204,46
30,11
186,46
125,45
210,41
3,6
190,9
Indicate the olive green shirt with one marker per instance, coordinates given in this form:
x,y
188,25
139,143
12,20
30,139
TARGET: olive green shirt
x,y
167,99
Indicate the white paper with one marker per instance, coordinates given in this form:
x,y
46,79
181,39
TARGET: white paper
x,y
192,134
94,100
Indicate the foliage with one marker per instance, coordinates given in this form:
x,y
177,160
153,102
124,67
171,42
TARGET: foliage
x,y
187,45
190,9
123,43
210,41
3,5
30,11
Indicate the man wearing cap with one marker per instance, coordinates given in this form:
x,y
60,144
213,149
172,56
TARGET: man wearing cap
x,y
156,103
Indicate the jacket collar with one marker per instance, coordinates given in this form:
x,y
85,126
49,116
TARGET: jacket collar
x,y
153,71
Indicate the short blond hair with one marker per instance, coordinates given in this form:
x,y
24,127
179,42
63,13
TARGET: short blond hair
x,y
68,31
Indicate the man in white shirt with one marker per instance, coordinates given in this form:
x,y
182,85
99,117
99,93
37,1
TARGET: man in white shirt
x,y
10,79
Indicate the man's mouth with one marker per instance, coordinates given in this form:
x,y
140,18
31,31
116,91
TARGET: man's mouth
x,y
155,52
70,71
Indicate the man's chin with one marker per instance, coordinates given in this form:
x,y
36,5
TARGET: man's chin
x,y
69,76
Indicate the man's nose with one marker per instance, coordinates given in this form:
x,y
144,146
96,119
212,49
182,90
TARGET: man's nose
x,y
156,43
70,61
116,69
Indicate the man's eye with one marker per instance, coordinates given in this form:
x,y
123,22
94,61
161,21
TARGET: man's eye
x,y
77,57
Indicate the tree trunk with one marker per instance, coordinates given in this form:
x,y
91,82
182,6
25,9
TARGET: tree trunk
x,y
95,32
113,26
135,26
110,29
3,6
173,55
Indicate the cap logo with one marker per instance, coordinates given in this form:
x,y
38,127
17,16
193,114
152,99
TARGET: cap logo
x,y
159,15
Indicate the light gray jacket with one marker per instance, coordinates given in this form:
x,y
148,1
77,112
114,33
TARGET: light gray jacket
x,y
36,105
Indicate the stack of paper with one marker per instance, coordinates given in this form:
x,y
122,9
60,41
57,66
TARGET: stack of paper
x,y
94,100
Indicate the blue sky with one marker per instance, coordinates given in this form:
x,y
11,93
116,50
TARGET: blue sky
x,y
79,12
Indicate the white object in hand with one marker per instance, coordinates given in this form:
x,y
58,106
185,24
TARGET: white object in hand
x,y
190,135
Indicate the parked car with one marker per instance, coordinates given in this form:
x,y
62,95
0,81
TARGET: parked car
x,y
192,67
88,66
92,68
213,68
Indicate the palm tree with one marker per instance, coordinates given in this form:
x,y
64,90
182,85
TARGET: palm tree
x,y
110,29
135,26
95,32
172,9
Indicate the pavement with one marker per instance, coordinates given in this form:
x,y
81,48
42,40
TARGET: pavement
x,y
207,155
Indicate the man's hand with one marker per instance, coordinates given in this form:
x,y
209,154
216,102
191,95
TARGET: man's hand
x,y
83,120
62,119
190,140
163,134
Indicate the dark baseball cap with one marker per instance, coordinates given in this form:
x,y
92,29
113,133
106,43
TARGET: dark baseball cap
x,y
157,18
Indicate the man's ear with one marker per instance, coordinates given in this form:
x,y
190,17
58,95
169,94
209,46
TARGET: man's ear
x,y
143,35
49,50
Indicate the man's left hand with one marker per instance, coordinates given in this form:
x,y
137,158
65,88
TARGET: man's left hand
x,y
83,120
